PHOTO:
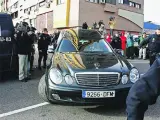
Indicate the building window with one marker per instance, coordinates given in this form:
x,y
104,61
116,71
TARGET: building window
x,y
126,2
138,6
132,4
32,8
94,1
120,1
60,2
42,3
16,5
111,2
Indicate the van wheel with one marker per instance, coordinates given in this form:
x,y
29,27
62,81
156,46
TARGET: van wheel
x,y
42,89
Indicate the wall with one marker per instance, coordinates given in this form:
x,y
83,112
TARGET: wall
x,y
0,6
60,16
74,13
45,20
92,12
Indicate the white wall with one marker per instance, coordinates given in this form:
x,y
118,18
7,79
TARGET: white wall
x,y
136,18
11,2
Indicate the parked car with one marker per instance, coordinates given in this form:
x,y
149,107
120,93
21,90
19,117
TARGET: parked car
x,y
8,54
86,70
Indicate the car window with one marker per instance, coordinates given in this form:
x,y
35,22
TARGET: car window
x,y
6,34
67,46
84,46
94,46
6,26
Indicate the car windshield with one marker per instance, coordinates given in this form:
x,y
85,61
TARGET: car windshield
x,y
84,46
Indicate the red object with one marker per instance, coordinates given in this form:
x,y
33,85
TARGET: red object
x,y
108,38
123,39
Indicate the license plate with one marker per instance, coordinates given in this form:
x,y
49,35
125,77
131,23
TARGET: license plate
x,y
98,94
5,39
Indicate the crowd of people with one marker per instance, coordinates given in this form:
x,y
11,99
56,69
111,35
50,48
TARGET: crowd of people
x,y
26,38
120,40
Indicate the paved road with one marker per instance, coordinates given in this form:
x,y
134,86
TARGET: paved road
x,y
22,97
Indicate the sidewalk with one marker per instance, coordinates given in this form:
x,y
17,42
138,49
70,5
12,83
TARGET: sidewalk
x,y
138,61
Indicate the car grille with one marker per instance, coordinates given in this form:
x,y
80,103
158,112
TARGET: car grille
x,y
97,79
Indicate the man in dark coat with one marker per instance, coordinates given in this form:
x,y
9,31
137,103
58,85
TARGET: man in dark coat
x,y
116,42
84,26
23,46
144,93
153,42
43,42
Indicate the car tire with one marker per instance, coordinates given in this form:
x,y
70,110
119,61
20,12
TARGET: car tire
x,y
42,89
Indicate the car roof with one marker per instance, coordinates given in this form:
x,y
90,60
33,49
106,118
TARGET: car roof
x,y
85,33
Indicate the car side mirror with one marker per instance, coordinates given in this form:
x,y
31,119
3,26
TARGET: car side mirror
x,y
51,49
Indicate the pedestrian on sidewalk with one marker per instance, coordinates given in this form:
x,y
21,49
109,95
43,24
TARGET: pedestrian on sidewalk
x,y
123,42
130,46
43,43
23,46
142,51
85,25
153,42
32,39
116,42
108,38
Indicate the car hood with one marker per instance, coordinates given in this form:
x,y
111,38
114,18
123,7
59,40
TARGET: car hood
x,y
70,63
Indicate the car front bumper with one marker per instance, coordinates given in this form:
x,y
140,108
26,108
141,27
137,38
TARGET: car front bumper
x,y
74,95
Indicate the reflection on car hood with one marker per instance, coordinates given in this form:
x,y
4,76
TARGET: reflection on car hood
x,y
69,63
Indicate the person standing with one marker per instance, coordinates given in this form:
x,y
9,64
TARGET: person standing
x,y
142,51
94,25
130,46
100,23
123,41
108,38
43,42
116,42
85,26
23,48
153,42
32,39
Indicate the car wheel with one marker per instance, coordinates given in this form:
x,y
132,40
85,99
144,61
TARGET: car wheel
x,y
42,89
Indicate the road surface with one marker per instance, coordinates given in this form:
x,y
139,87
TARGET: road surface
x,y
20,101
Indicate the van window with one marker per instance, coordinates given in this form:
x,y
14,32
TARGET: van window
x,y
6,35
6,26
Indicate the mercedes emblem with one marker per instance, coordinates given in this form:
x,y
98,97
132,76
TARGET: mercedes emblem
x,y
97,65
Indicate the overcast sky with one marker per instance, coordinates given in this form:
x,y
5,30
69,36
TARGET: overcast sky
x,y
152,10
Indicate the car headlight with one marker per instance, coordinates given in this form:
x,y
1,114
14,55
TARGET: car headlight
x,y
56,76
124,79
68,79
134,75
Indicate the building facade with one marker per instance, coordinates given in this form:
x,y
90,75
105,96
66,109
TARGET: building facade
x,y
3,5
64,13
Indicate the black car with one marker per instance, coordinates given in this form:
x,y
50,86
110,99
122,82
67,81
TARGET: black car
x,y
8,54
85,69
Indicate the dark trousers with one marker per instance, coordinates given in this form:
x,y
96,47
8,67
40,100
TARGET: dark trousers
x,y
43,55
31,60
130,52
152,58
